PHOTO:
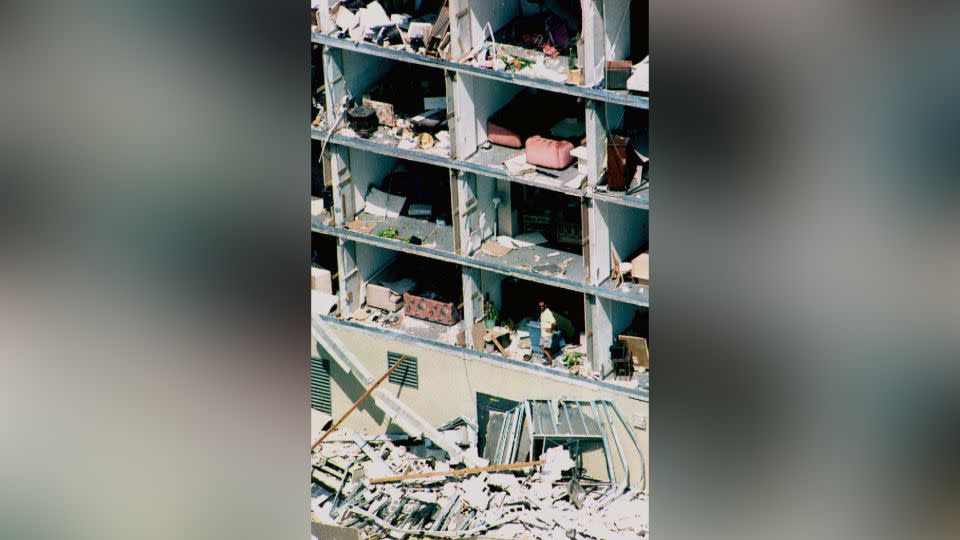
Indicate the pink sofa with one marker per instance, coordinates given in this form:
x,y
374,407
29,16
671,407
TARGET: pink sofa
x,y
498,134
549,153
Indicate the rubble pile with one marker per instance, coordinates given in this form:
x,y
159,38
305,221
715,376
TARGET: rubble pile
x,y
545,503
395,24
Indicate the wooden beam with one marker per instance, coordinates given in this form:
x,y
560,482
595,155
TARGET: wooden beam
x,y
358,402
457,472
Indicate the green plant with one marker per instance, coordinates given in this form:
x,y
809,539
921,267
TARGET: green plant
x,y
516,63
490,311
572,358
389,233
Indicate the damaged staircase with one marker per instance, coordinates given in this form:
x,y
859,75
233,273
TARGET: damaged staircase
x,y
398,412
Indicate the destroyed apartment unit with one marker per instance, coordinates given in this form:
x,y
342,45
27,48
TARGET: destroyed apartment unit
x,y
531,229
627,150
384,103
392,200
534,136
583,47
409,294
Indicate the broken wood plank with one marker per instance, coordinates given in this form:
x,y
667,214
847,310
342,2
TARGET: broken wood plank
x,y
358,402
457,472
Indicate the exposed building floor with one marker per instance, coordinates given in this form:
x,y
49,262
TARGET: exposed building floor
x,y
636,195
431,235
628,287
572,359
563,262
386,136
378,318
496,155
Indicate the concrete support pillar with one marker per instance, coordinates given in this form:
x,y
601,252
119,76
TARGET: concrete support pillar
x,y
472,302
350,297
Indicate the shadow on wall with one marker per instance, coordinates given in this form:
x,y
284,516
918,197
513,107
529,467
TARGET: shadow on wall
x,y
353,389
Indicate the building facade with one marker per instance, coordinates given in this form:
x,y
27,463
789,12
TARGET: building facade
x,y
418,240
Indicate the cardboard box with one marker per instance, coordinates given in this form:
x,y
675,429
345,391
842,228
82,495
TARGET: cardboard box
x,y
321,280
640,269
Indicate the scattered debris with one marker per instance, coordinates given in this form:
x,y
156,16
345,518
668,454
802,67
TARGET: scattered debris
x,y
364,227
518,165
425,33
426,497
494,248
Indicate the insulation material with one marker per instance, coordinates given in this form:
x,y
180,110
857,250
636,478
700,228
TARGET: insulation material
x,y
383,204
527,239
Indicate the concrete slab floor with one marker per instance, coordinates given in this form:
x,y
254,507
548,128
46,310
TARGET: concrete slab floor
x,y
627,286
384,135
496,155
536,259
432,235
415,327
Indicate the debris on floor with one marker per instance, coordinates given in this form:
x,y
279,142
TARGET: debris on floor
x,y
399,488
426,32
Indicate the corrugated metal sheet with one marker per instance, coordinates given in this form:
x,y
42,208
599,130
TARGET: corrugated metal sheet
x,y
320,385
408,374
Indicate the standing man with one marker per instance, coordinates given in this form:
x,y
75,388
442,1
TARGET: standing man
x,y
549,338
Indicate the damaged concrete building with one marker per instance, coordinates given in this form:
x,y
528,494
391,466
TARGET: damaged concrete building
x,y
473,160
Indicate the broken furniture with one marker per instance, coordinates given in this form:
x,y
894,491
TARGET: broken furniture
x,y
440,33
622,163
640,269
499,337
430,306
617,73
622,364
387,287
636,350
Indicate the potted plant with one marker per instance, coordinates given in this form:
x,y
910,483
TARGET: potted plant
x,y
490,314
